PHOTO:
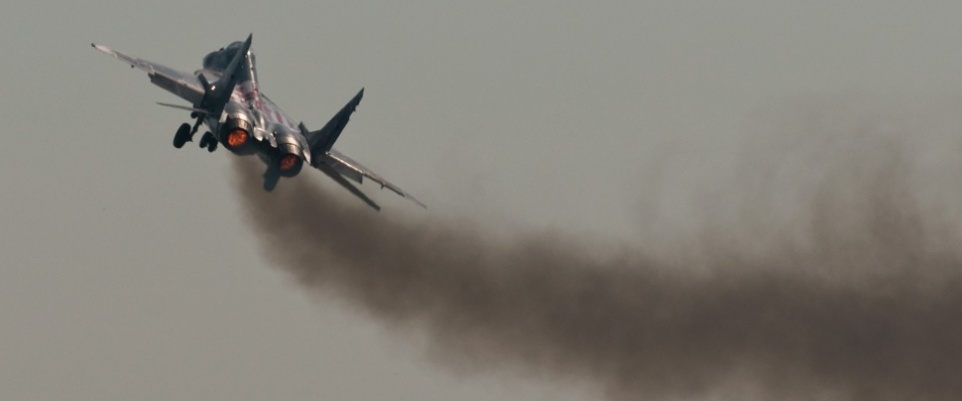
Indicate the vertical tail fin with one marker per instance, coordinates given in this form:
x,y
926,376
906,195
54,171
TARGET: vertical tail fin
x,y
247,82
322,140
218,94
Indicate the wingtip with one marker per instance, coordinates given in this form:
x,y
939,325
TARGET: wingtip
x,y
102,48
415,200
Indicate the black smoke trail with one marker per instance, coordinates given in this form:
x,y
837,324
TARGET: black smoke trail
x,y
863,309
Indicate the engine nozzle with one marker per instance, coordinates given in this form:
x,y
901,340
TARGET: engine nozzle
x,y
290,156
236,135
289,164
237,138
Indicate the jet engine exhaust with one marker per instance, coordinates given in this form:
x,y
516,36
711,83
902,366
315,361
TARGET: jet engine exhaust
x,y
289,164
288,159
236,133
237,138
857,297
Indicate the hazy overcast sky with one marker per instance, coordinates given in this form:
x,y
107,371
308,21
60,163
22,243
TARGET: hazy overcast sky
x,y
127,270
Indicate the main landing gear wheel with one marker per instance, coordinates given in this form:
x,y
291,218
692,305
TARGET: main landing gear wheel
x,y
182,136
208,141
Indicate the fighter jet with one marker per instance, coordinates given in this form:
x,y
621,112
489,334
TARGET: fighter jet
x,y
225,96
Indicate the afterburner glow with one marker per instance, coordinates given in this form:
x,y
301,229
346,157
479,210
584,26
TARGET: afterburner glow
x,y
237,137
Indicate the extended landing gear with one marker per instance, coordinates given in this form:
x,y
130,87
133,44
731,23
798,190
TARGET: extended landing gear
x,y
208,141
183,135
186,133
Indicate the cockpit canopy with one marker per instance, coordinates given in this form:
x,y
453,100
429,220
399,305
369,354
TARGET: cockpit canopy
x,y
219,60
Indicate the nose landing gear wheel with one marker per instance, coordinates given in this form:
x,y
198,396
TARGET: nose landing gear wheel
x,y
182,136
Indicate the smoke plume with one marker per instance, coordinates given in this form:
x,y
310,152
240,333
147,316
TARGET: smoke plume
x,y
818,273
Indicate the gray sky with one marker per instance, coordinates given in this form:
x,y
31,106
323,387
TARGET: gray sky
x,y
127,271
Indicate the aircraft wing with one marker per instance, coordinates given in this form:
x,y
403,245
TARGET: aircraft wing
x,y
186,86
349,168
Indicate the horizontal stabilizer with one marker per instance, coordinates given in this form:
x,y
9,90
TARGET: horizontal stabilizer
x,y
350,187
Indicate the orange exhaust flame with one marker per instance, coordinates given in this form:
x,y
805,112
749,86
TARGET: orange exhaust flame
x,y
288,162
236,138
